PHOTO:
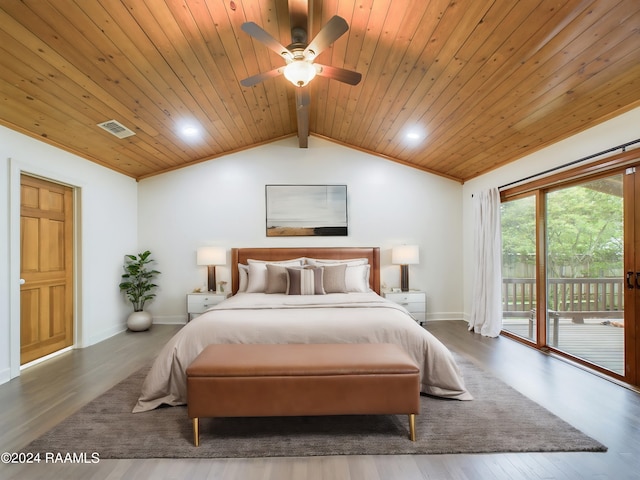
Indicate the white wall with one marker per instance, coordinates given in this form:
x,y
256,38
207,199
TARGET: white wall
x,y
617,131
222,202
106,222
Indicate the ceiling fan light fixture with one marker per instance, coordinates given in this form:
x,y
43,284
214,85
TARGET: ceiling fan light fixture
x,y
299,72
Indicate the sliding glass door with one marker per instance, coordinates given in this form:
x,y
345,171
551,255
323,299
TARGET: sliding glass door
x,y
585,271
571,265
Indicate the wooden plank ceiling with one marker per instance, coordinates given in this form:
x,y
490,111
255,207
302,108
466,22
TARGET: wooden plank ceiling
x,y
482,83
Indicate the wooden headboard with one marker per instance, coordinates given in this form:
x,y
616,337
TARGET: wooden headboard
x,y
241,255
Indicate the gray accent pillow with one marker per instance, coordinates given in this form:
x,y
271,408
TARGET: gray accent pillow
x,y
334,278
276,279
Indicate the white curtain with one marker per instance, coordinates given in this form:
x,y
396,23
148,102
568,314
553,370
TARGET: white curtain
x,y
486,309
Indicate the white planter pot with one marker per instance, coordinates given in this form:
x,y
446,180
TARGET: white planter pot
x,y
139,321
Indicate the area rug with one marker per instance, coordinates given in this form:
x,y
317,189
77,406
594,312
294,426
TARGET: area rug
x,y
499,419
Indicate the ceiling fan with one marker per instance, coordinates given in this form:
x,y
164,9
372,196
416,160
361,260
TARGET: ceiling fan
x,y
299,57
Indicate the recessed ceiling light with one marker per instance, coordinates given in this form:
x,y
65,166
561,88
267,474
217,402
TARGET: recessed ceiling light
x,y
189,130
414,135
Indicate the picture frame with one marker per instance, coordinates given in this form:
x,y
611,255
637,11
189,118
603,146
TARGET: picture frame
x,y
306,210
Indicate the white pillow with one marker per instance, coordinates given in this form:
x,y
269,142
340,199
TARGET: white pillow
x,y
356,278
243,276
258,274
352,262
293,261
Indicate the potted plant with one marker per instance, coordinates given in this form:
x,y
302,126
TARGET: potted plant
x,y
137,284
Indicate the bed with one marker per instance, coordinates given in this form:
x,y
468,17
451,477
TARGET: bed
x,y
331,295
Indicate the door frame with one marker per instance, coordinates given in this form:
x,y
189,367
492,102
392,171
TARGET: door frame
x,y
16,169
631,182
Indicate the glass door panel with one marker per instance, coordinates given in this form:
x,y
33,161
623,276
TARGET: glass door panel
x,y
585,271
518,223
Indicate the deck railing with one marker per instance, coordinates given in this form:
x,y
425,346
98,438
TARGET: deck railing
x,y
578,298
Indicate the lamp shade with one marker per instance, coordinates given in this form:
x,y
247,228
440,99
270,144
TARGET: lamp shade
x,y
299,72
405,255
211,256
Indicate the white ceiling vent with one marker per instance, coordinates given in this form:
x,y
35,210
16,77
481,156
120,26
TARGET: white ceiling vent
x,y
116,128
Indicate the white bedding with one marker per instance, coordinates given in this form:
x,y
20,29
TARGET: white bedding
x,y
279,318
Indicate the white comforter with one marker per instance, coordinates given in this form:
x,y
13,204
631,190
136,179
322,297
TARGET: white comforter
x,y
276,318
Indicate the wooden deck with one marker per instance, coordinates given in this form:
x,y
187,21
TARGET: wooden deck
x,y
592,341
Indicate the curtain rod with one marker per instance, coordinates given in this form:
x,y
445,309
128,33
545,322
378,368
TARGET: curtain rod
x,y
588,157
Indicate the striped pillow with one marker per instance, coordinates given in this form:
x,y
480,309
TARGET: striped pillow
x,y
305,281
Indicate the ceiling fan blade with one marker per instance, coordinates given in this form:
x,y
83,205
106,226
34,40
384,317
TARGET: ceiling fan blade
x,y
332,30
255,79
302,114
340,74
259,34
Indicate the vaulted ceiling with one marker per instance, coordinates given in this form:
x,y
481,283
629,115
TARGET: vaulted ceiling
x,y
480,83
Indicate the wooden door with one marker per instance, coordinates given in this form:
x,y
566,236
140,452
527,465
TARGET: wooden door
x,y
46,265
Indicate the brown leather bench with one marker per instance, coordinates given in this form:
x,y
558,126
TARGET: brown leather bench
x,y
239,380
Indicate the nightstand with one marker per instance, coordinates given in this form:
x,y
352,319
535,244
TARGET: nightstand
x,y
197,303
414,301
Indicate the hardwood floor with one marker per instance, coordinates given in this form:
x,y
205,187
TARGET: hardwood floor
x,y
45,394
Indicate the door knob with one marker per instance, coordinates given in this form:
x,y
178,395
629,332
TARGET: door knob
x,y
22,281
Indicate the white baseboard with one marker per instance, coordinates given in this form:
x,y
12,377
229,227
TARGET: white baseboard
x,y
5,375
110,332
170,319
103,335
444,316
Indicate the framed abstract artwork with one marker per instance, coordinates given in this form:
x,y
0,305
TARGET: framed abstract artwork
x,y
306,210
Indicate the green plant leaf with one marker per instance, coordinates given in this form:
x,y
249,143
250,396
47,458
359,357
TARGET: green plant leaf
x,y
136,281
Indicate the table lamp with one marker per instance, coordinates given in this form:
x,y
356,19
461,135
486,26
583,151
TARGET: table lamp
x,y
405,255
211,256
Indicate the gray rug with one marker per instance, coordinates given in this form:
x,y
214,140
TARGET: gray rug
x,y
499,420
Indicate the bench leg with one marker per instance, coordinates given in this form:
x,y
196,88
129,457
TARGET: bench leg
x,y
412,427
196,432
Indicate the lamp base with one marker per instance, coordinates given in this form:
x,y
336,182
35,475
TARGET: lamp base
x,y
211,278
404,278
